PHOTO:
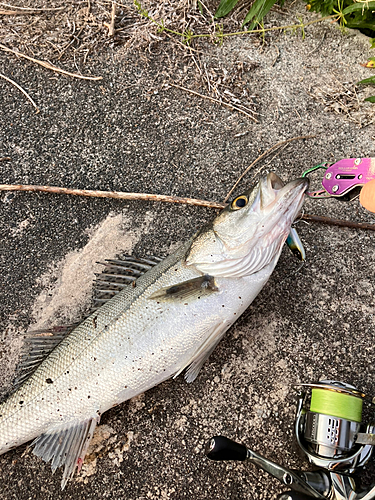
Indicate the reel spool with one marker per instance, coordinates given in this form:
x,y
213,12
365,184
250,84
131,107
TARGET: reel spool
x,y
330,431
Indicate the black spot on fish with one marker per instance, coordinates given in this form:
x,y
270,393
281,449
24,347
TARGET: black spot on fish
x,y
88,397
21,402
94,322
49,381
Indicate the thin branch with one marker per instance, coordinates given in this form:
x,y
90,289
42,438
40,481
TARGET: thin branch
x,y
169,199
21,89
47,65
111,25
231,106
23,12
28,9
266,153
336,222
112,194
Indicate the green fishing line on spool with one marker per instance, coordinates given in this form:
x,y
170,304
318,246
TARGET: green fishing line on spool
x,y
337,404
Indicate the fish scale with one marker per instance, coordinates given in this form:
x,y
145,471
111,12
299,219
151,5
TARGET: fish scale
x,y
170,320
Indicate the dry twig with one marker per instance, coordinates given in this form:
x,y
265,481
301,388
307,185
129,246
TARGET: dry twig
x,y
231,106
23,12
169,199
337,222
111,25
21,89
112,194
28,9
49,66
266,153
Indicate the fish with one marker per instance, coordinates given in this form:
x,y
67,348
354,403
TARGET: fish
x,y
168,320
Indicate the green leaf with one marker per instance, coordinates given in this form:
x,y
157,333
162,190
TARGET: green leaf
x,y
359,6
367,81
372,41
370,99
360,25
225,7
257,12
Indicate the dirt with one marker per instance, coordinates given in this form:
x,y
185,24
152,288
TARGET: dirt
x,y
133,131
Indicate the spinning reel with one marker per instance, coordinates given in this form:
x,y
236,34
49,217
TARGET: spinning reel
x,y
331,434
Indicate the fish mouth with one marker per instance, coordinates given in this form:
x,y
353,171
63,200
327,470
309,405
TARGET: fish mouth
x,y
279,198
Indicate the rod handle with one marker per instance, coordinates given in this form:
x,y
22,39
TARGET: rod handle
x,y
222,448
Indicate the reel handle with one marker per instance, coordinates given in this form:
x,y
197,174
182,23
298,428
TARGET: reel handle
x,y
222,448
292,495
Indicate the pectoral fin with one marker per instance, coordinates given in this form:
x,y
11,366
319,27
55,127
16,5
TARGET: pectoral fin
x,y
187,290
66,445
196,362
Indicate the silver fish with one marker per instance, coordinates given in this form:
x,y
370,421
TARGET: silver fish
x,y
170,321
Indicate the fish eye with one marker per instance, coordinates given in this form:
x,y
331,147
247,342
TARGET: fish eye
x,y
239,202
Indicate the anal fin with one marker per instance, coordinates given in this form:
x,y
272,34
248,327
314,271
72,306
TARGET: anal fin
x,y
66,445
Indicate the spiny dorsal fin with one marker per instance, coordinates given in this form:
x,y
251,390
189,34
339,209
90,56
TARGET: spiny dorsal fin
x,y
117,274
38,344
66,445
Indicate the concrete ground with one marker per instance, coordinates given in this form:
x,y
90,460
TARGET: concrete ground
x,y
132,132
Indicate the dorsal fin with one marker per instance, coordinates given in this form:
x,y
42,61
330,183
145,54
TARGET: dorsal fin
x,y
117,274
38,344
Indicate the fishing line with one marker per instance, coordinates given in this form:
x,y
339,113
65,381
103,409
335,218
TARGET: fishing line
x,y
337,404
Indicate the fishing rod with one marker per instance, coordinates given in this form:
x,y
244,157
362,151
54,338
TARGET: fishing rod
x,y
330,432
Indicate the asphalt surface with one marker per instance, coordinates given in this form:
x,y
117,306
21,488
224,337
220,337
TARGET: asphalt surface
x,y
129,133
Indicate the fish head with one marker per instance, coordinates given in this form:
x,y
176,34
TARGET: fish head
x,y
249,233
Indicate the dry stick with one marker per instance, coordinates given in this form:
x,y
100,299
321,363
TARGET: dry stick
x,y
169,199
23,12
31,9
214,100
15,12
337,222
112,194
266,153
111,26
21,89
49,66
